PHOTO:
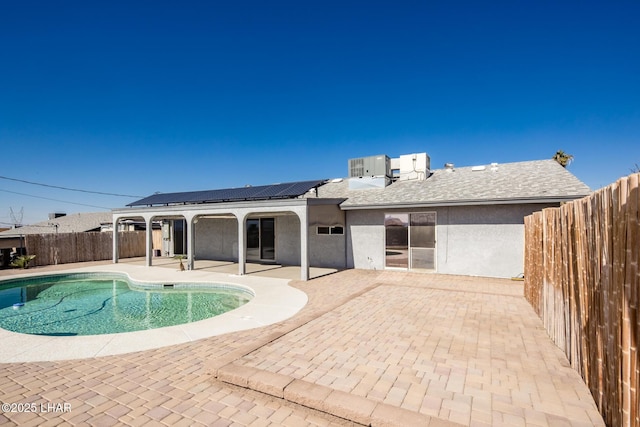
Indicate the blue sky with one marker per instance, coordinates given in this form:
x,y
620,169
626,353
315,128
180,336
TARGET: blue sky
x,y
134,97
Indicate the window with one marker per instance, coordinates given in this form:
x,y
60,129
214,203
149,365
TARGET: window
x,y
338,229
325,229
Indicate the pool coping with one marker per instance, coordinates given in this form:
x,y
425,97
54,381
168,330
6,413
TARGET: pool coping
x,y
274,301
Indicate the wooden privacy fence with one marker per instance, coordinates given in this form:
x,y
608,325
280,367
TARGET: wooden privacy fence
x,y
63,248
582,278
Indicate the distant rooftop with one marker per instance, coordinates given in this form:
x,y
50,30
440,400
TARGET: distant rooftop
x,y
73,223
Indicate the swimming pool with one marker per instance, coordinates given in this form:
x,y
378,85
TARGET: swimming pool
x,y
107,303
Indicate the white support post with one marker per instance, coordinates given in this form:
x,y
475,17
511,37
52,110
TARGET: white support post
x,y
242,253
190,242
115,239
304,243
149,240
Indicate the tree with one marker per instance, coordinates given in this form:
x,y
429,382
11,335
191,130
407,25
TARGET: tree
x,y
563,158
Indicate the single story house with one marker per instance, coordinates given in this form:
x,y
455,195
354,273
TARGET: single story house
x,y
57,223
387,214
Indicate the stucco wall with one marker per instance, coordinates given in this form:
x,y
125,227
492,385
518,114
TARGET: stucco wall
x,y
288,240
473,240
365,239
326,250
482,240
217,239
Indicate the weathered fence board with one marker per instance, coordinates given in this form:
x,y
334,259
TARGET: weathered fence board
x,y
64,248
582,278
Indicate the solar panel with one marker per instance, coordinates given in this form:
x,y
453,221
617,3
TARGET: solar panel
x,y
262,192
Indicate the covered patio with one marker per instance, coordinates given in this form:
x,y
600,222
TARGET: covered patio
x,y
212,223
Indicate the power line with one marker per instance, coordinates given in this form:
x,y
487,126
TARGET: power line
x,y
68,189
55,200
25,225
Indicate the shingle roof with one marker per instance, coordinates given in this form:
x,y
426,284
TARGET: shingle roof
x,y
78,222
510,183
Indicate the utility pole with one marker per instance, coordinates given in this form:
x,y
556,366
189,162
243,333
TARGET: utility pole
x,y
16,219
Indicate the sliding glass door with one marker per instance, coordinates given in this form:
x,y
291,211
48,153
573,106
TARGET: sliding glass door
x,y
179,237
410,241
253,239
422,238
267,238
261,239
396,229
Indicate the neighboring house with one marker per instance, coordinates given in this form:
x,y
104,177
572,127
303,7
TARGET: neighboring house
x,y
388,214
57,223
60,223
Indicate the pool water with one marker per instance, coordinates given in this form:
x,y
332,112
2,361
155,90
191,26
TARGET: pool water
x,y
87,304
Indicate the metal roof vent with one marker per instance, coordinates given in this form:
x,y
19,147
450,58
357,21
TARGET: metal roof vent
x,y
448,167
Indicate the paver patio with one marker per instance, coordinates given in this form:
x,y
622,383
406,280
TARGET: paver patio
x,y
370,347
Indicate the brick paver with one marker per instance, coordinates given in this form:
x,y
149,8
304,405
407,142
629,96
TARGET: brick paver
x,y
468,350
374,347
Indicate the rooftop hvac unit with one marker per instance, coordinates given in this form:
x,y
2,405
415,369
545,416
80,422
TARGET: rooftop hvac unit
x,y
414,166
370,166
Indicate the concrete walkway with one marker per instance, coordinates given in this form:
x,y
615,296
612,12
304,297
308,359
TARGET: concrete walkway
x,y
370,347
